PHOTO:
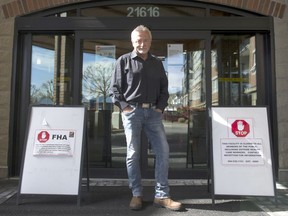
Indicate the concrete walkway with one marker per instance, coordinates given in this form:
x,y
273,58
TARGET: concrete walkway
x,y
112,197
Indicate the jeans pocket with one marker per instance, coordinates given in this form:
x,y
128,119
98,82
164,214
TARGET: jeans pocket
x,y
130,112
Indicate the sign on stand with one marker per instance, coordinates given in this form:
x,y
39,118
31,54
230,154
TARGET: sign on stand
x,y
241,152
53,152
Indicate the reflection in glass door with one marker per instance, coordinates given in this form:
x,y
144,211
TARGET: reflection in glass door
x,y
184,118
234,70
184,62
51,69
197,106
98,65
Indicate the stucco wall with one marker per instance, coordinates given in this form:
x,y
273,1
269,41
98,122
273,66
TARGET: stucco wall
x,y
281,63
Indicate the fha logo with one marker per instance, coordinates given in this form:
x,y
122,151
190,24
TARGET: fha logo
x,y
240,128
43,136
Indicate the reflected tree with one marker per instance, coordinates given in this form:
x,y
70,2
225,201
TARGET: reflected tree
x,y
34,94
45,91
96,80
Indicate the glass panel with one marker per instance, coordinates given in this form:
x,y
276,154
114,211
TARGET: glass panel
x,y
52,64
233,70
185,66
140,10
221,13
98,64
184,63
197,105
69,13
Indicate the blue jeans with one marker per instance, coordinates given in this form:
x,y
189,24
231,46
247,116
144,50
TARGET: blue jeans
x,y
151,122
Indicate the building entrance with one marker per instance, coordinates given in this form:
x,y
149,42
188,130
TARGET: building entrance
x,y
70,62
184,118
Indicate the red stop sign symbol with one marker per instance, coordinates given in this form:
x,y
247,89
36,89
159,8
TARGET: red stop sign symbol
x,y
240,128
43,136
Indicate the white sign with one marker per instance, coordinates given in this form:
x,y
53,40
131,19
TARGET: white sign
x,y
242,151
175,54
53,131
104,52
242,163
54,142
175,76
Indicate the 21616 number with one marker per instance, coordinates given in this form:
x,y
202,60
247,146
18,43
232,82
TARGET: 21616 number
x,y
143,12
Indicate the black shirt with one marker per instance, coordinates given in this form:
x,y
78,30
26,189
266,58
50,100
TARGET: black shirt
x,y
139,81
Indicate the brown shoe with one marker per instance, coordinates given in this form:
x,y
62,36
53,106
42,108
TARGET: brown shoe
x,y
167,203
136,203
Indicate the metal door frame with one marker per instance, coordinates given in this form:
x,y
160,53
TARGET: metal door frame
x,y
111,28
157,34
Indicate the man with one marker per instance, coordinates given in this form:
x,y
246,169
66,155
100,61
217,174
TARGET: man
x,y
140,89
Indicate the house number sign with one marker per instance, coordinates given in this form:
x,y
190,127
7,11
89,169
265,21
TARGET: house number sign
x,y
144,11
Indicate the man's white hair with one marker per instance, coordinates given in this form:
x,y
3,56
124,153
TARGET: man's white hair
x,y
141,28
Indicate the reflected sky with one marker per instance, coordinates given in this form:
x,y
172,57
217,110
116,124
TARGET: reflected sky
x,y
42,65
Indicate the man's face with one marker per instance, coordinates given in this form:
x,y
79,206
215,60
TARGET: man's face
x,y
141,42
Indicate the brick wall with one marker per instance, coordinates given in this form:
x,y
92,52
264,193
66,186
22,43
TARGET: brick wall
x,y
281,65
6,44
267,7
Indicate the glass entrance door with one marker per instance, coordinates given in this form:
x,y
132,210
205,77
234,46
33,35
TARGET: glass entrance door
x,y
234,80
184,118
